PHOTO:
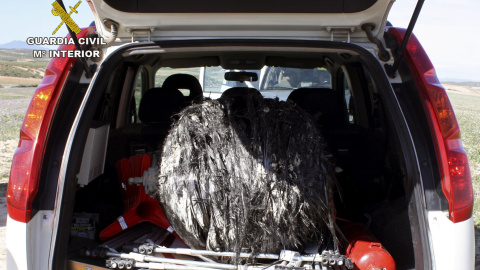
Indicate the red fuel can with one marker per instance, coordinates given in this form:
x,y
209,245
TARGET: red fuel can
x,y
365,251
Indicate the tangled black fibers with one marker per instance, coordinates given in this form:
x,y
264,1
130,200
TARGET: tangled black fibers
x,y
246,175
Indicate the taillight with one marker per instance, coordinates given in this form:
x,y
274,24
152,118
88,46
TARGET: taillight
x,y
28,158
454,169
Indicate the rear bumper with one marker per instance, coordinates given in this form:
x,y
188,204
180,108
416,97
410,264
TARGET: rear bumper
x,y
28,244
453,244
16,241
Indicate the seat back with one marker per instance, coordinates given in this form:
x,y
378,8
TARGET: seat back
x,y
158,105
359,151
329,113
157,110
323,104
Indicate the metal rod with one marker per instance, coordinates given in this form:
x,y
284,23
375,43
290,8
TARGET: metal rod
x,y
144,258
186,251
326,259
391,70
167,266
195,252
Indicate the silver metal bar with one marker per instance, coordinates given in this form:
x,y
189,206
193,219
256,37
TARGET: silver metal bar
x,y
144,258
166,266
187,251
326,259
193,252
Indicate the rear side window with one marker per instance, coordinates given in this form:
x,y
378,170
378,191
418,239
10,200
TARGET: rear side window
x,y
214,79
140,87
278,78
349,99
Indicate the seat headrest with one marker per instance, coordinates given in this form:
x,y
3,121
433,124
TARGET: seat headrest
x,y
185,81
158,105
323,104
240,91
238,98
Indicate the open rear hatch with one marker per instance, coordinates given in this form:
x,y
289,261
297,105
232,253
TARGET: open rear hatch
x,y
186,19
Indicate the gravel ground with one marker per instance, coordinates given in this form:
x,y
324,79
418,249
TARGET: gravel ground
x,y
3,221
6,152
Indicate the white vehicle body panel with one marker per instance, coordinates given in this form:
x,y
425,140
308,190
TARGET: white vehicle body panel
x,y
28,244
16,242
453,243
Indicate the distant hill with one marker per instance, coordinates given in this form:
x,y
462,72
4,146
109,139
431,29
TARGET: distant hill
x,y
18,44
19,55
456,80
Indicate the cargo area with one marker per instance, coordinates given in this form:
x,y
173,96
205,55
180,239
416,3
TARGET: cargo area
x,y
330,93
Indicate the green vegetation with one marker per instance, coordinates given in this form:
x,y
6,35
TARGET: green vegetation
x,y
22,69
27,85
35,65
13,105
10,126
14,71
20,54
468,116
10,94
19,63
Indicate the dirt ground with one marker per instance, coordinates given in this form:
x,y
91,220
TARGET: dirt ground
x,y
466,89
6,153
16,80
3,221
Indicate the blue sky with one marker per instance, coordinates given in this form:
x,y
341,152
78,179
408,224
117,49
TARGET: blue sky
x,y
448,30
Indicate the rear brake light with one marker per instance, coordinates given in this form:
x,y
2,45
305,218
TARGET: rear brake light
x,y
454,168
27,160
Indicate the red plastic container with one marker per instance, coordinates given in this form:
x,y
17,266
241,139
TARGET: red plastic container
x,y
365,251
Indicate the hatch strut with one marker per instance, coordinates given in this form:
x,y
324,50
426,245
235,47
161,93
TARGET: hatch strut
x,y
88,70
392,69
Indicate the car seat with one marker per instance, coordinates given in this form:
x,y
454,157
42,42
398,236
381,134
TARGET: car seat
x,y
356,149
324,104
240,92
157,111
